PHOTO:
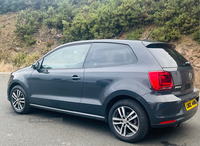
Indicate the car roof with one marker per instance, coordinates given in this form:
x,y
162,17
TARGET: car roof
x,y
105,41
113,41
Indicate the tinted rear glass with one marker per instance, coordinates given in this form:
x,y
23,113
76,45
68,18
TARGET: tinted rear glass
x,y
168,57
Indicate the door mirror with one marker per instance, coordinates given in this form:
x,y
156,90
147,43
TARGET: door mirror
x,y
36,65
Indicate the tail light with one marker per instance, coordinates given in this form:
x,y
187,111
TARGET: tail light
x,y
161,81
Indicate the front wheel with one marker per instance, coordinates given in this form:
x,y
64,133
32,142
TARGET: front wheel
x,y
19,100
128,121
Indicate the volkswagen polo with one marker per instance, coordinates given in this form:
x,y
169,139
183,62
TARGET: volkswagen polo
x,y
132,85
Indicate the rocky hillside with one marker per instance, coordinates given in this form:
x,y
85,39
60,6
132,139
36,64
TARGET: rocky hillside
x,y
190,49
16,54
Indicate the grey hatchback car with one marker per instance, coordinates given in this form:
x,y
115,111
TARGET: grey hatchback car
x,y
132,85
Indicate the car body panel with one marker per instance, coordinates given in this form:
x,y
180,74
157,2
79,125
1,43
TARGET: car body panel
x,y
21,77
167,107
100,83
55,88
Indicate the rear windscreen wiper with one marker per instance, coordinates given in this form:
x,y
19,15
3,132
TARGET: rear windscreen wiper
x,y
186,63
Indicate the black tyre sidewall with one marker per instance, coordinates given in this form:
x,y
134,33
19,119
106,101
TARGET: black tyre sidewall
x,y
143,120
26,109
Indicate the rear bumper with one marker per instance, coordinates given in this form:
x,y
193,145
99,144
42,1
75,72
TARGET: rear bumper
x,y
169,107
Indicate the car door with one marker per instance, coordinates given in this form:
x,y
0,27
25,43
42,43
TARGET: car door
x,y
58,83
107,66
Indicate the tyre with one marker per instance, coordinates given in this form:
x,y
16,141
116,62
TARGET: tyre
x,y
19,100
128,121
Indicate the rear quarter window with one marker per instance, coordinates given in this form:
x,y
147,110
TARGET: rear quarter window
x,y
168,57
109,54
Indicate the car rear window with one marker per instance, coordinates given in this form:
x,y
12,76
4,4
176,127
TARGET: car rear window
x,y
168,57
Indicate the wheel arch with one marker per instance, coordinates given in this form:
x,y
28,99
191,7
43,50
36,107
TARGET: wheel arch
x,y
138,100
13,85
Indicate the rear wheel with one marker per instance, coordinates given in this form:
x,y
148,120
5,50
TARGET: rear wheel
x,y
19,100
128,121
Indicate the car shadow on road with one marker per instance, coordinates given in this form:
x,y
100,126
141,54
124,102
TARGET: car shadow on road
x,y
161,136
72,120
165,136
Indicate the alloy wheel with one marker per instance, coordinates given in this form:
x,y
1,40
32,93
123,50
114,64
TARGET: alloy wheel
x,y
125,121
18,100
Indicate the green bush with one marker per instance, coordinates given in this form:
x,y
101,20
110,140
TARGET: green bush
x,y
24,59
19,59
166,34
196,36
96,19
175,18
31,58
27,23
135,35
13,5
29,40
62,40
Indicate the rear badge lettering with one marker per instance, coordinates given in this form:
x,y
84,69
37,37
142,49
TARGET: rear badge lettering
x,y
190,76
177,87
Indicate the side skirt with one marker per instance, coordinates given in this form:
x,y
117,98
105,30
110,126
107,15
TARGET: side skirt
x,y
70,112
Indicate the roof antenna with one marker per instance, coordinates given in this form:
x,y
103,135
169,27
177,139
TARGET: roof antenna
x,y
148,35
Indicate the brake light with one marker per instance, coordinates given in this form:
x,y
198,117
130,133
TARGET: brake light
x,y
161,81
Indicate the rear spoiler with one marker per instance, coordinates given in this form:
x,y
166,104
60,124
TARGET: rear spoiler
x,y
158,45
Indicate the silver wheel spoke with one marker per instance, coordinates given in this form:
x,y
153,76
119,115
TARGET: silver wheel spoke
x,y
134,126
14,96
117,119
123,112
117,123
22,101
133,118
18,93
130,114
120,112
131,129
124,130
14,103
20,106
121,130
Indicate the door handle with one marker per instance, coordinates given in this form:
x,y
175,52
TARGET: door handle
x,y
75,77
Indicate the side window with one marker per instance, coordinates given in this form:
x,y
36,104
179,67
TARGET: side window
x,y
108,54
66,57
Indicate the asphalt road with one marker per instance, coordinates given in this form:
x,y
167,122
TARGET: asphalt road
x,y
45,128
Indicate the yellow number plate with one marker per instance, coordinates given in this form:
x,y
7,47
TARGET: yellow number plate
x,y
190,104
